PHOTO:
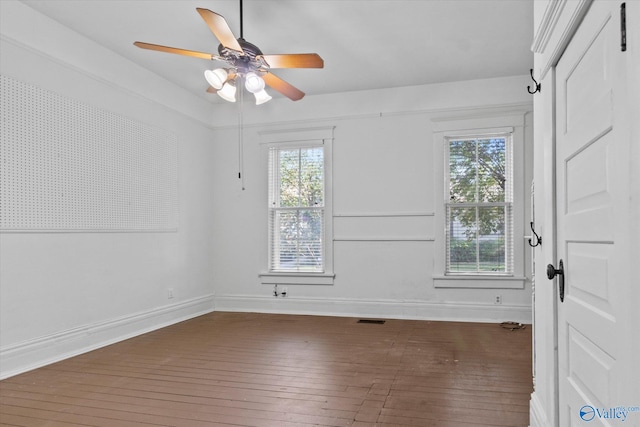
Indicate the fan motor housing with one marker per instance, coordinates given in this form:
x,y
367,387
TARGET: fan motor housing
x,y
246,62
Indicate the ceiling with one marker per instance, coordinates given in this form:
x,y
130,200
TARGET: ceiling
x,y
365,44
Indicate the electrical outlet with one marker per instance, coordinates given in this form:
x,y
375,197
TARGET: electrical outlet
x,y
498,299
170,293
282,293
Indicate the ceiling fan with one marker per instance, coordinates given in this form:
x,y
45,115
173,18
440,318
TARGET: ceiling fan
x,y
244,62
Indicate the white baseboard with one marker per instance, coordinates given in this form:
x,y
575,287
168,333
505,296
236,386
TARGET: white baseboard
x,y
537,414
32,354
391,309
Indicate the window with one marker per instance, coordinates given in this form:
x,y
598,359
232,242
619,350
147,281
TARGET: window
x,y
479,204
298,233
482,165
297,209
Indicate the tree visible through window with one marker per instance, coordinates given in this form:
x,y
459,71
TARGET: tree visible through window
x,y
296,209
479,205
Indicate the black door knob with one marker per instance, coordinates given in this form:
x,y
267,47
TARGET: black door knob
x,y
553,272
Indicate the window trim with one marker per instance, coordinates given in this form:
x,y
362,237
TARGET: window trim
x,y
301,138
448,128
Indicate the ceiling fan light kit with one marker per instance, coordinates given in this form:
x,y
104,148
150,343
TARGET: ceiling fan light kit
x,y
262,97
216,78
244,62
228,92
253,82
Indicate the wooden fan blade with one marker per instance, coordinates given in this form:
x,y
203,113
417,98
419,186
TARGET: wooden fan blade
x,y
283,87
211,89
294,60
219,27
175,50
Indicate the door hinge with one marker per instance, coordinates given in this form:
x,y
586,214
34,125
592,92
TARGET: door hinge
x,y
623,27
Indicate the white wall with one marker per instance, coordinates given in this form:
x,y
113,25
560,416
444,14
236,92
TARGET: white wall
x,y
384,163
66,292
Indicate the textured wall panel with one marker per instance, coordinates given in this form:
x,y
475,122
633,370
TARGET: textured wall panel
x,y
68,166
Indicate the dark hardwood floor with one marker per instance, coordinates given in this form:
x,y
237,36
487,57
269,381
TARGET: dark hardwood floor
x,y
242,369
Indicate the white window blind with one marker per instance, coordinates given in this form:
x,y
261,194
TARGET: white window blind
x,y
479,205
297,209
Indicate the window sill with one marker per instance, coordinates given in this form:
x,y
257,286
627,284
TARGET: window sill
x,y
296,278
479,282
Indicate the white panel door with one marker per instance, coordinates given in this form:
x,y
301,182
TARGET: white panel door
x,y
592,214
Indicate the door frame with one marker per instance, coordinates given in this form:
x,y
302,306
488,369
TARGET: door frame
x,y
559,23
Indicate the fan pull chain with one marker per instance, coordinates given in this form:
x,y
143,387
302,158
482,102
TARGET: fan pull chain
x,y
241,143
